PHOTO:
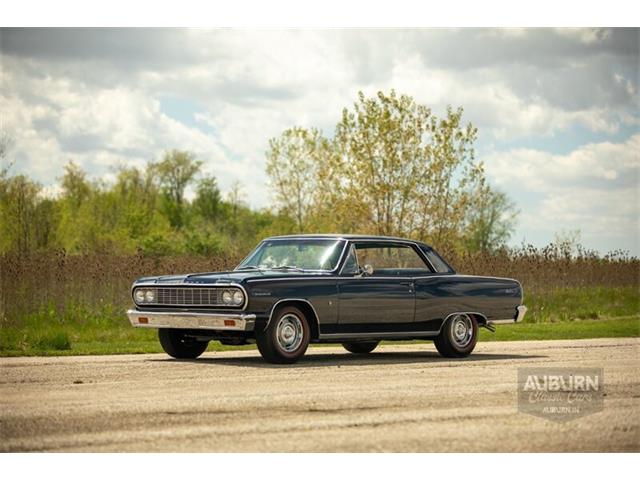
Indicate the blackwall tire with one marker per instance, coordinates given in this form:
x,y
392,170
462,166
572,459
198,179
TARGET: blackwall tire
x,y
360,347
286,338
177,345
458,336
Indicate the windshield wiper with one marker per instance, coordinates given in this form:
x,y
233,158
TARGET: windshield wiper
x,y
288,267
249,267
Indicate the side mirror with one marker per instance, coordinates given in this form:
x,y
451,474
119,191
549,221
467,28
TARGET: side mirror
x,y
367,269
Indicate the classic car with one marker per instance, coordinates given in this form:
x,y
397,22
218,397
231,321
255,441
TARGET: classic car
x,y
351,289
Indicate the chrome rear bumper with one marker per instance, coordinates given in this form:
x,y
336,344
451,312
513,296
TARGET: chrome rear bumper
x,y
190,320
520,311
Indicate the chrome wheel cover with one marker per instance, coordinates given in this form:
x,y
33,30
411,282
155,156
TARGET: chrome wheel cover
x,y
289,332
461,330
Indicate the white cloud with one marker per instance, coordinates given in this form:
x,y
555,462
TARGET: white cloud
x,y
96,96
594,189
604,165
98,128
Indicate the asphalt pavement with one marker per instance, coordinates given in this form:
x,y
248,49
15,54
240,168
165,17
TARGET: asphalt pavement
x,y
400,398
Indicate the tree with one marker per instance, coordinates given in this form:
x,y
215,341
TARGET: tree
x,y
75,187
176,171
491,219
380,142
135,201
392,168
235,204
137,187
450,176
207,203
18,204
293,164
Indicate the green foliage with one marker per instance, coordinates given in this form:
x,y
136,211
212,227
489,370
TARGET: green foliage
x,y
295,162
55,340
18,212
567,304
392,168
75,186
490,222
204,243
604,328
175,172
157,244
208,201
143,211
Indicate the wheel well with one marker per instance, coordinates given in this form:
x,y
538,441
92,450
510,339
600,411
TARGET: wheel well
x,y
306,308
481,319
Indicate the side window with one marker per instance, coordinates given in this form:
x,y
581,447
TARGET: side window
x,y
351,263
438,263
389,260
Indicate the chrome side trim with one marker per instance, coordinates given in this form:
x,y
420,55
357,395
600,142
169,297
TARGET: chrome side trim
x,y
192,320
409,334
301,277
334,336
334,277
195,285
273,309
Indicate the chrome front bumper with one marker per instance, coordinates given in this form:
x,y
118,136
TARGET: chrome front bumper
x,y
190,320
520,311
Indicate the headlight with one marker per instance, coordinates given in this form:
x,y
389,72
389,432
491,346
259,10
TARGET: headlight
x,y
238,297
150,296
139,296
227,297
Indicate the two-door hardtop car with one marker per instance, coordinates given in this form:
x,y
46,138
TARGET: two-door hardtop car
x,y
352,289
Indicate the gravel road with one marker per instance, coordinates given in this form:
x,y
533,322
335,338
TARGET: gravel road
x,y
401,398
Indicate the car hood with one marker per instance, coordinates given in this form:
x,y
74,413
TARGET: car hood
x,y
233,276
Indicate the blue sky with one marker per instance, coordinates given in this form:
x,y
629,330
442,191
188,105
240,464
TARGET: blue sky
x,y
557,110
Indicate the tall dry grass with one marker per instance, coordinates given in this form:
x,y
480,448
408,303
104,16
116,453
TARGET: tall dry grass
x,y
56,280
101,282
546,269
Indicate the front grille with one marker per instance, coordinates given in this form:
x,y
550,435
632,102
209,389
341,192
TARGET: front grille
x,y
188,296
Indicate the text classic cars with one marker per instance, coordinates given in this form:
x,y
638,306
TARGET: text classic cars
x,y
351,289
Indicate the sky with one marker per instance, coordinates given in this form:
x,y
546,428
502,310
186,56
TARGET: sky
x,y
557,110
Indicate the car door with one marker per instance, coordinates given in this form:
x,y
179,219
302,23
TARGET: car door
x,y
382,300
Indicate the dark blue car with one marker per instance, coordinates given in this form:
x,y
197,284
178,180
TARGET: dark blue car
x,y
352,289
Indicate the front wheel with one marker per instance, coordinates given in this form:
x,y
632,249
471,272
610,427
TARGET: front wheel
x,y
286,338
360,347
458,336
179,345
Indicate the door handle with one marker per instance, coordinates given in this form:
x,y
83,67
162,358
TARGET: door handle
x,y
408,284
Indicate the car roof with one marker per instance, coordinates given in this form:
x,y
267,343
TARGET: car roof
x,y
349,236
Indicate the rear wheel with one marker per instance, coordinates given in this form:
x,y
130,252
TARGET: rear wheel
x,y
286,338
458,336
179,345
360,347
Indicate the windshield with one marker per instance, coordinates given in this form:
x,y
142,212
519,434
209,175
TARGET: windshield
x,y
295,254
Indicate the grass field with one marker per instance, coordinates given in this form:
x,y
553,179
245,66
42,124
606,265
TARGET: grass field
x,y
82,329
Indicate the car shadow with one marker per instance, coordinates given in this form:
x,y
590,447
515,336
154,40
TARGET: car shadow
x,y
320,360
